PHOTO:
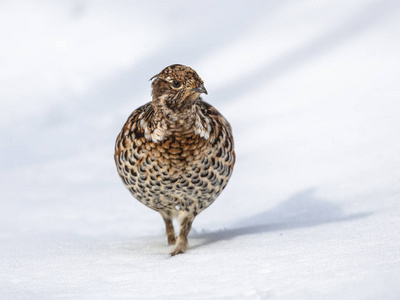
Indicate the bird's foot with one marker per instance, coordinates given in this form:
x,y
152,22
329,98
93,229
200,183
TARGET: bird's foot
x,y
176,252
180,247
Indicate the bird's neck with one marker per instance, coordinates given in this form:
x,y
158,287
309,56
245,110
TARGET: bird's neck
x,y
166,122
176,120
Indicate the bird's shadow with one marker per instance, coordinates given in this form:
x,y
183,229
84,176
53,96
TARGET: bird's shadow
x,y
299,211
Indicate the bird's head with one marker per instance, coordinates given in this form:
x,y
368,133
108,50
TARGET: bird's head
x,y
176,88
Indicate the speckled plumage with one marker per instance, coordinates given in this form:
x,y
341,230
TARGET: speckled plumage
x,y
176,153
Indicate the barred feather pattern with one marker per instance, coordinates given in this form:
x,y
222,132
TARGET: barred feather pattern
x,y
186,169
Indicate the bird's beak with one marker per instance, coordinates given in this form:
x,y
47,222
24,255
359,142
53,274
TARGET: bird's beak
x,y
200,89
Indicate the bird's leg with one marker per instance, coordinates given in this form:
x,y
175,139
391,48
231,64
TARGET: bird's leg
x,y
182,241
169,227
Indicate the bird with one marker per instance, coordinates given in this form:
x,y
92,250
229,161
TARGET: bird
x,y
175,154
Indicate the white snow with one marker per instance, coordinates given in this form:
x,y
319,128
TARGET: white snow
x,y
312,90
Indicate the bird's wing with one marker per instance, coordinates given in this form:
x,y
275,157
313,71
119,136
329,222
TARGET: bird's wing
x,y
134,127
221,139
219,127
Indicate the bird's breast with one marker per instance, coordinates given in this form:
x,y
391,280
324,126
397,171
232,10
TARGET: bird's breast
x,y
177,152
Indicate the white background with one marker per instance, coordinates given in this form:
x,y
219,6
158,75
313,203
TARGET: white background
x,y
312,91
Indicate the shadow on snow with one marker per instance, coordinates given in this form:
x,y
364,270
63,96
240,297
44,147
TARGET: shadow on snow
x,y
300,211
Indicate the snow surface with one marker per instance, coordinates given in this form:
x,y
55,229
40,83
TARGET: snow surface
x,y
312,91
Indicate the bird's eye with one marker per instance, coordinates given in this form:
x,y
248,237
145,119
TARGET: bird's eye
x,y
176,84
